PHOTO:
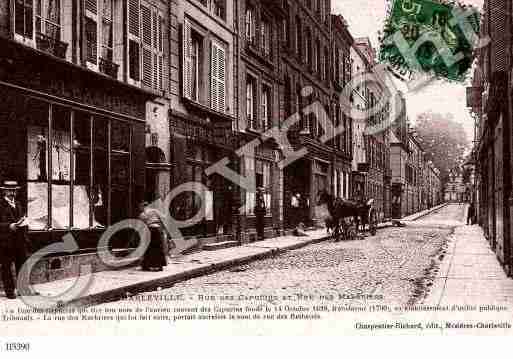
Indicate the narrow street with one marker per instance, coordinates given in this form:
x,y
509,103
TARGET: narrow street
x,y
393,267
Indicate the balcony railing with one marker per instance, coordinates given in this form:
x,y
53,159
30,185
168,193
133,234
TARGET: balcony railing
x,y
51,45
109,68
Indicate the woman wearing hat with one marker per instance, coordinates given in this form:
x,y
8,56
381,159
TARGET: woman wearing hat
x,y
13,248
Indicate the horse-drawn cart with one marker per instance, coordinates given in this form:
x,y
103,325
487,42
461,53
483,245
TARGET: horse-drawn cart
x,y
345,217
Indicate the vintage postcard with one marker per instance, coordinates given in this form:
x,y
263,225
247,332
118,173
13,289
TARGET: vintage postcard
x,y
255,167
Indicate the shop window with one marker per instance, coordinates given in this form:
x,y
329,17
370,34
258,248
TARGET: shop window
x,y
120,133
68,162
82,172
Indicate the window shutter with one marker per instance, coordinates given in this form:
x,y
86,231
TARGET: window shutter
x,y
263,105
214,104
221,78
134,51
160,49
218,78
147,53
133,17
187,59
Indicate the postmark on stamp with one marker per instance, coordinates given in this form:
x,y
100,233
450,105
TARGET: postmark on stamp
x,y
431,37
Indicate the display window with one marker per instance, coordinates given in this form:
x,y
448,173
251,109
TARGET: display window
x,y
78,168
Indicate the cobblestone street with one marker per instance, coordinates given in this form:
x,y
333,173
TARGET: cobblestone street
x,y
396,265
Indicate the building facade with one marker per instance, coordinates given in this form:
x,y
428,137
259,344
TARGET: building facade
x,y
307,76
202,112
377,137
361,65
260,88
342,144
491,85
77,80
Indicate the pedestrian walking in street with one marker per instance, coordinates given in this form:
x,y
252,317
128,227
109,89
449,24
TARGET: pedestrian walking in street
x,y
154,258
13,241
260,211
471,214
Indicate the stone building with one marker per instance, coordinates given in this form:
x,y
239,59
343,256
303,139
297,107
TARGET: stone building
x,y
342,144
491,102
361,63
260,90
399,153
203,108
307,76
377,136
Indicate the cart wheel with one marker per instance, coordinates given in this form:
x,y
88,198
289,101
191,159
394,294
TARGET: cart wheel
x,y
352,231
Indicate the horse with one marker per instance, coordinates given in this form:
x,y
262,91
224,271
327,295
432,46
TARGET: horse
x,y
340,209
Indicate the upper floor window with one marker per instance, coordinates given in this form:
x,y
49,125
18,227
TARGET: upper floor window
x,y
195,68
251,106
266,37
48,18
219,8
106,30
216,7
266,107
327,63
250,25
24,18
308,49
299,38
145,44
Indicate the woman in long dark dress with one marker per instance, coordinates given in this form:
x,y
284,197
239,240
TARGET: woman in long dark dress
x,y
154,258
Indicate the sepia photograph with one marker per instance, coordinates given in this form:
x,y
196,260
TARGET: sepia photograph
x,y
255,168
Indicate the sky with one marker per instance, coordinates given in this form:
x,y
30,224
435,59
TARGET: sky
x,y
366,18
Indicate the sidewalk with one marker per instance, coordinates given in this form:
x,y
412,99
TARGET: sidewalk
x,y
418,215
470,273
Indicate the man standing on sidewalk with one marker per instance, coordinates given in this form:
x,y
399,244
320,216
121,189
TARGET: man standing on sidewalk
x,y
260,211
13,247
471,214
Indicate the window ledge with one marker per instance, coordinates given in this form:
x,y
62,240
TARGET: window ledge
x,y
206,110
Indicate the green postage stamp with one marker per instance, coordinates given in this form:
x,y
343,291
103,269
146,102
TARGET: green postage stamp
x,y
431,37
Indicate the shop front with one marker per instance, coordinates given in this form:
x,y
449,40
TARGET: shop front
x,y
196,145
75,140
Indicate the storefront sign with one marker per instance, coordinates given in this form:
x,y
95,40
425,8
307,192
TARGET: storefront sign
x,y
25,68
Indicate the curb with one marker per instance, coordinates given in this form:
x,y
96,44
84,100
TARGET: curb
x,y
415,217
168,281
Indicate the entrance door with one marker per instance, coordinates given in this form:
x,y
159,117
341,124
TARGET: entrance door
x,y
296,180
